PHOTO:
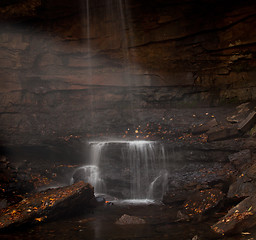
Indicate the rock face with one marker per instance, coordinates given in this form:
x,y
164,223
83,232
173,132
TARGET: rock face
x,y
63,73
47,205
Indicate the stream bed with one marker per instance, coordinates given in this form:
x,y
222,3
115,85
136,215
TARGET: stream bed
x,y
99,224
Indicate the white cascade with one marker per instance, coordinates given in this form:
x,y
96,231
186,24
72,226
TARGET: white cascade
x,y
143,161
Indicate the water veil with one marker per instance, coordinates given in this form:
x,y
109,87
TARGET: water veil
x,y
129,170
123,169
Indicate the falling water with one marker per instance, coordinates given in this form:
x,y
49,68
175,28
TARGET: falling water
x,y
140,165
147,164
114,33
91,173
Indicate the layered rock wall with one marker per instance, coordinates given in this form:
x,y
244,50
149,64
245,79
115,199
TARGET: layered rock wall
x,y
66,68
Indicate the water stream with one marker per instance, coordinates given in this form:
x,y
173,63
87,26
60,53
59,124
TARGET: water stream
x,y
135,169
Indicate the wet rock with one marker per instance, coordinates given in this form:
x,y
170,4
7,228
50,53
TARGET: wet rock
x,y
240,115
232,119
243,108
196,237
100,200
184,183
3,203
247,123
204,127
182,217
129,220
79,175
222,133
243,187
202,201
175,196
241,158
251,172
239,218
47,205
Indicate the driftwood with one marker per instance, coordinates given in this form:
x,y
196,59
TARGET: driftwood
x,y
47,205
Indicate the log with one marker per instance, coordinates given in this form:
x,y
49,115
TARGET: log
x,y
47,205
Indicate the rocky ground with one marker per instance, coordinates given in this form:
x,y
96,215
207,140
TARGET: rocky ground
x,y
222,142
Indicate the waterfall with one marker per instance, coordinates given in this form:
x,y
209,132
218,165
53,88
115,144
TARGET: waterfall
x,y
134,169
146,164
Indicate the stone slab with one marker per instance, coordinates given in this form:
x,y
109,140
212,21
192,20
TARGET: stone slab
x,y
248,122
240,218
47,205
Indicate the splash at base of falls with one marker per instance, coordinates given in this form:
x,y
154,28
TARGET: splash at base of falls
x,y
136,202
90,174
132,170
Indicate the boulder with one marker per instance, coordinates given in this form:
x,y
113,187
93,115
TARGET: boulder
x,y
175,196
239,218
248,122
129,220
79,175
182,217
240,114
251,172
196,237
47,205
240,158
3,203
243,187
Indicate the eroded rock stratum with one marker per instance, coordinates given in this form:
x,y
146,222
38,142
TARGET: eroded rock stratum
x,y
65,69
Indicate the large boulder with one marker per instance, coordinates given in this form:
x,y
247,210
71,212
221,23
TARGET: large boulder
x,y
240,158
251,172
242,187
47,205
